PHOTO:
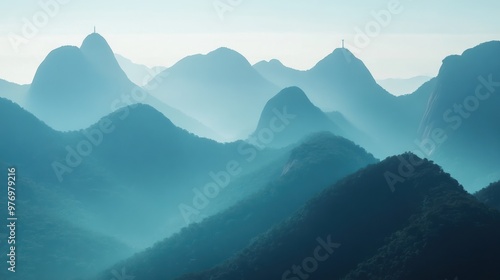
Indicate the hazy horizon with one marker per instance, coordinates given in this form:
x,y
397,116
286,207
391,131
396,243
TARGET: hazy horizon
x,y
298,34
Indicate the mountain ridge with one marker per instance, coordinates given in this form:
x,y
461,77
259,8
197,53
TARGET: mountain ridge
x,y
463,110
219,89
323,156
291,116
429,203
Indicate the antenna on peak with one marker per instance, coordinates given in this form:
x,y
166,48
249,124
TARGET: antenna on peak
x,y
343,44
94,29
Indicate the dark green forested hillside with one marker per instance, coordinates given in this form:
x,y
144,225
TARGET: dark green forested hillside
x,y
428,228
490,195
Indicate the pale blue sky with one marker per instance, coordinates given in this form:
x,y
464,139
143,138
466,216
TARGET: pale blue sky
x,y
299,32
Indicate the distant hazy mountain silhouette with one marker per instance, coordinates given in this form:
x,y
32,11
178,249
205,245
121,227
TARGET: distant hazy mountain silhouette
x,y
304,119
278,73
321,160
399,87
341,82
139,74
99,54
429,228
460,125
220,89
74,87
13,92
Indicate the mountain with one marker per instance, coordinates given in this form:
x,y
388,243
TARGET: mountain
x,y
100,164
139,74
460,126
289,117
97,51
427,227
19,147
490,195
14,92
400,87
310,167
341,82
90,83
219,89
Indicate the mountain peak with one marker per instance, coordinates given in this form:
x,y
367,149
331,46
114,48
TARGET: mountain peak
x,y
223,59
293,95
304,117
139,114
224,54
344,51
275,62
66,64
343,64
86,80
99,53
341,57
95,40
224,50
462,79
482,55
486,48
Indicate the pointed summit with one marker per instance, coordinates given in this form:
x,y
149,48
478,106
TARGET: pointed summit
x,y
95,41
225,53
97,50
343,64
229,92
63,70
303,116
292,96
